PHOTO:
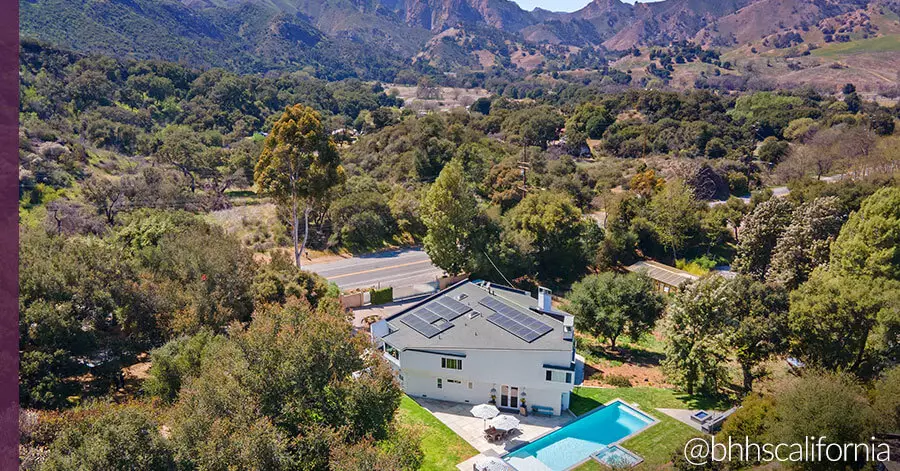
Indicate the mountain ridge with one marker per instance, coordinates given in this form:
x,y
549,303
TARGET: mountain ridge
x,y
375,38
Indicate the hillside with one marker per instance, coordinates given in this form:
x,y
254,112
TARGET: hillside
x,y
818,42
251,37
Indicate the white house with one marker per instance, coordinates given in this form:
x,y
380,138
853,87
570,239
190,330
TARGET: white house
x,y
473,341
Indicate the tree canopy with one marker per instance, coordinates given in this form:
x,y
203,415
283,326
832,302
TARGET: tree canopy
x,y
610,305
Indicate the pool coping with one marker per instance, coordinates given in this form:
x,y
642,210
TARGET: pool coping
x,y
635,406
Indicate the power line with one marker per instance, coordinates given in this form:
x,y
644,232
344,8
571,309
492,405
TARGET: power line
x,y
498,270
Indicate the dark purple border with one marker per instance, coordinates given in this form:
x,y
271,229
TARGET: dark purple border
x,y
9,235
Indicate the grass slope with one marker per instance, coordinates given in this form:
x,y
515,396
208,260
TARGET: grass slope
x,y
442,447
888,43
657,443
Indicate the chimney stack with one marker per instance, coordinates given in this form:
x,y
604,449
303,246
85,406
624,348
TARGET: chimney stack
x,y
544,303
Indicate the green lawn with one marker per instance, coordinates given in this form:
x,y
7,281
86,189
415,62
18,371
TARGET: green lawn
x,y
657,443
887,43
443,449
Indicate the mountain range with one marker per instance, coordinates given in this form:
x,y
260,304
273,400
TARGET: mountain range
x,y
377,37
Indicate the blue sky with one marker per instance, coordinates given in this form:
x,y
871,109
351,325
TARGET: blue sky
x,y
556,5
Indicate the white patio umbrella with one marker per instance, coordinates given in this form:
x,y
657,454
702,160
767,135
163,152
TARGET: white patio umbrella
x,y
491,463
505,422
485,411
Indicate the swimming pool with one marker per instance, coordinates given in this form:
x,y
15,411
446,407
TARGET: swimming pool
x,y
577,441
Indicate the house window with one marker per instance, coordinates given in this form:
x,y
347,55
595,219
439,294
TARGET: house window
x,y
559,376
454,381
451,363
440,383
470,385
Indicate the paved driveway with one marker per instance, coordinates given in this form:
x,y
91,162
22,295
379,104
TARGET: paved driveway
x,y
471,429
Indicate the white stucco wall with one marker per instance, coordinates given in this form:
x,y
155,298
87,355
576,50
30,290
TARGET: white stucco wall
x,y
486,369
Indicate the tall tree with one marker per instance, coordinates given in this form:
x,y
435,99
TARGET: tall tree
x,y
843,322
806,243
757,324
674,214
717,320
449,213
760,231
869,242
610,304
816,405
545,233
696,347
181,147
299,163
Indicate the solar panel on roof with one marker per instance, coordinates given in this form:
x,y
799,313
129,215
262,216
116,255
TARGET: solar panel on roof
x,y
426,314
420,326
426,322
513,321
491,303
452,308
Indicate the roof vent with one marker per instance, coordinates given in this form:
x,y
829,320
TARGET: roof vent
x,y
473,314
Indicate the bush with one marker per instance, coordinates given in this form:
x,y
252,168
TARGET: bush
x,y
619,381
772,150
381,296
738,184
120,437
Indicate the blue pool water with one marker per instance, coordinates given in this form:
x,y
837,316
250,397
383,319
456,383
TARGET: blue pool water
x,y
572,444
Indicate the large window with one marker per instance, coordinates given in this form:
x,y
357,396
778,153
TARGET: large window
x,y
451,363
559,376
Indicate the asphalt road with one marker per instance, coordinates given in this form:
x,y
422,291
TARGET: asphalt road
x,y
402,268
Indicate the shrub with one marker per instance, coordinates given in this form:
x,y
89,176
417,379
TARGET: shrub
x,y
381,296
772,150
737,183
619,381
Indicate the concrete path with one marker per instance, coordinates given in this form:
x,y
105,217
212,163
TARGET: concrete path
x,y
684,416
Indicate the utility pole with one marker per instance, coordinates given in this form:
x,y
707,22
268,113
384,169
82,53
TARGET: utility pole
x,y
523,164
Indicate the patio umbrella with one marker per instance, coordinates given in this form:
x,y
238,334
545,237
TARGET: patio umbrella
x,y
485,411
491,463
505,422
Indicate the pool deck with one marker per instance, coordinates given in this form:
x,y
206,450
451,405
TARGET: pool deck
x,y
529,463
458,417
684,416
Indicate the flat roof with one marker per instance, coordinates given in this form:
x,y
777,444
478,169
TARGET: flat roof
x,y
475,332
662,272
